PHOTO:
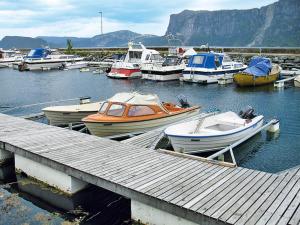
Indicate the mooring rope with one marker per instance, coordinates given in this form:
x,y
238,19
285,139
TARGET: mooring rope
x,y
40,103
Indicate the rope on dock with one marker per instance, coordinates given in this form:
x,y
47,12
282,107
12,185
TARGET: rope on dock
x,y
39,103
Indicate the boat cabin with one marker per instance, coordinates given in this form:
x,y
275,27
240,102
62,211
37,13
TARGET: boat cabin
x,y
38,53
172,61
132,107
138,53
7,53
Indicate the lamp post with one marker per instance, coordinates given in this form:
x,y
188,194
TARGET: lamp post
x,y
101,22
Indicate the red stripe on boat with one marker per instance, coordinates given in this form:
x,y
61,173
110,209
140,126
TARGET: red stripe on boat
x,y
126,72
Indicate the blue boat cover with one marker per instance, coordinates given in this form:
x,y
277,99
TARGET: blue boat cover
x,y
38,53
206,60
259,66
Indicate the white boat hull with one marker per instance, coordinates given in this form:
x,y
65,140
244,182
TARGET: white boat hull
x,y
297,81
161,77
194,144
63,115
109,129
76,65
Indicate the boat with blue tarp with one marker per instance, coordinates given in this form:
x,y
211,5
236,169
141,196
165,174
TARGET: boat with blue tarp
x,y
261,71
209,67
46,59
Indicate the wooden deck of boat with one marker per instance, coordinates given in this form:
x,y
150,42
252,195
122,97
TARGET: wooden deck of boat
x,y
198,191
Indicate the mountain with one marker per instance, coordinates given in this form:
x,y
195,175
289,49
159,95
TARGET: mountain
x,y
112,39
21,42
274,25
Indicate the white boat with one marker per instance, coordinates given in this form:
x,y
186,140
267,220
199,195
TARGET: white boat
x,y
75,65
134,112
290,73
297,81
213,132
130,67
63,115
207,68
170,69
46,59
8,57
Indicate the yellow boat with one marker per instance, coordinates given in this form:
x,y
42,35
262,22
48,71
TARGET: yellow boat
x,y
255,75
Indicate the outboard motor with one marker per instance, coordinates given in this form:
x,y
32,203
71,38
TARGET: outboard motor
x,y
248,113
183,101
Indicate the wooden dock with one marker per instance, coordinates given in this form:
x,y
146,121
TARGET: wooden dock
x,y
199,192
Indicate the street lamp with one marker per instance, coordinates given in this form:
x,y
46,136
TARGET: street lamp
x,y
101,22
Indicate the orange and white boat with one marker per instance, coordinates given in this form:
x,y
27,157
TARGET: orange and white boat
x,y
134,112
130,67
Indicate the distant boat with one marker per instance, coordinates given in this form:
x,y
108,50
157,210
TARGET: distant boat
x,y
130,67
8,57
260,72
214,132
134,112
297,81
75,65
84,69
290,73
45,59
207,68
170,69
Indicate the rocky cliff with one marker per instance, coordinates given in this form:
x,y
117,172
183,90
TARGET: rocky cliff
x,y
277,24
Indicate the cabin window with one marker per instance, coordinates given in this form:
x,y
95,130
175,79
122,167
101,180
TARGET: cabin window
x,y
198,59
156,57
103,107
116,110
140,110
147,57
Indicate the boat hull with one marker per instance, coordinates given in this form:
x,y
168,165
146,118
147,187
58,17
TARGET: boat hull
x,y
207,77
108,129
194,144
158,77
244,79
297,81
64,118
124,73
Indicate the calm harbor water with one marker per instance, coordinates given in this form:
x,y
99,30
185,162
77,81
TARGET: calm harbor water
x,y
270,153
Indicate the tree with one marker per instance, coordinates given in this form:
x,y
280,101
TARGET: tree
x,y
69,46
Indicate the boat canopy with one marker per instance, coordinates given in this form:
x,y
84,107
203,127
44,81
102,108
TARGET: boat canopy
x,y
206,60
135,98
259,66
38,53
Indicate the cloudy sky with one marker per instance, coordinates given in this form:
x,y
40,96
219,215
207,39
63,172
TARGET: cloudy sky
x,y
81,18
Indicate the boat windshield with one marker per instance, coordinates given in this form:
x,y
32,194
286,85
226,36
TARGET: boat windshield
x,y
156,57
103,107
140,110
135,56
116,110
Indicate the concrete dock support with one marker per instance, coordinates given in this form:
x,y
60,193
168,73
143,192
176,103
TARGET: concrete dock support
x,y
153,216
52,177
5,155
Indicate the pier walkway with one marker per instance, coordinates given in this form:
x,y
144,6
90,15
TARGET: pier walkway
x,y
193,190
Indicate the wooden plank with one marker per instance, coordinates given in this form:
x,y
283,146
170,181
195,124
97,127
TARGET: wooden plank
x,y
161,169
285,204
266,199
190,192
167,174
228,190
230,207
180,188
295,219
279,195
201,194
176,178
